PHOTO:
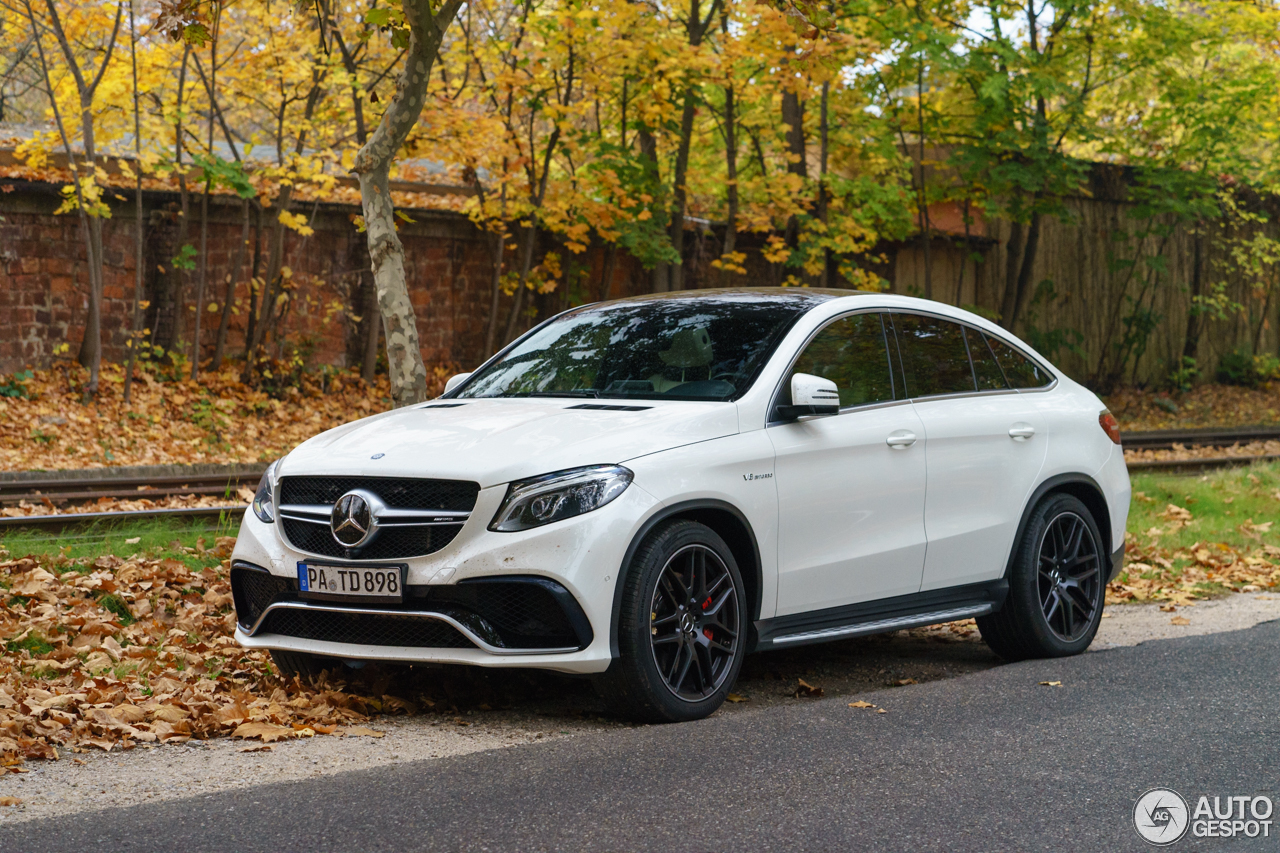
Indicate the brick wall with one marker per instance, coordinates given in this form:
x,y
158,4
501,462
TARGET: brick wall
x,y
44,280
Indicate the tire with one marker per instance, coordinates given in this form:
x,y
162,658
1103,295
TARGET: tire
x,y
682,629
301,664
1057,585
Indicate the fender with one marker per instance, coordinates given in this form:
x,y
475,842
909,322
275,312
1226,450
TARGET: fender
x,y
653,521
1104,525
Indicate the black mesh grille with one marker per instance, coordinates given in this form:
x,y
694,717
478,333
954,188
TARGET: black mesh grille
x,y
392,543
526,615
453,495
364,629
253,590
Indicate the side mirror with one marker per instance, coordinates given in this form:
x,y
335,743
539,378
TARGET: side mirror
x,y
811,395
458,378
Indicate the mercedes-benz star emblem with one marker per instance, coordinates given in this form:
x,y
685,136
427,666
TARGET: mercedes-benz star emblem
x,y
352,520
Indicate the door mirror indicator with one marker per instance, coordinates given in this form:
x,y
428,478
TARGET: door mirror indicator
x,y
811,395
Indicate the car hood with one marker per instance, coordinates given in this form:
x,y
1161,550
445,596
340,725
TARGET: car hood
x,y
494,441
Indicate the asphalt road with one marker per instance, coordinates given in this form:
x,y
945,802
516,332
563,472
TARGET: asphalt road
x,y
985,762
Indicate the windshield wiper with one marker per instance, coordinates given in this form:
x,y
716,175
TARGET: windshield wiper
x,y
575,392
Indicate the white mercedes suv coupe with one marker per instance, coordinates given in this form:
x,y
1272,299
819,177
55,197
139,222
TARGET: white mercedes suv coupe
x,y
646,490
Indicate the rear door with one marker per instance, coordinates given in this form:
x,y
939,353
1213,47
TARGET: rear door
x,y
985,446
851,486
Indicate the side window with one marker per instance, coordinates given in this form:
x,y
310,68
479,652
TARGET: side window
x,y
1021,371
934,357
985,368
852,353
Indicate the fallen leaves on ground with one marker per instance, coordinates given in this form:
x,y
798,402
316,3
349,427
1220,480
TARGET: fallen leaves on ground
x,y
46,507
1202,406
1181,576
1181,452
115,652
805,689
215,420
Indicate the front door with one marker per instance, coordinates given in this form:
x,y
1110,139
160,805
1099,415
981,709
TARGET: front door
x,y
851,486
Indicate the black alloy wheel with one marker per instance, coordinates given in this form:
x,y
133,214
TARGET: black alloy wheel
x,y
682,627
1070,573
1057,582
693,623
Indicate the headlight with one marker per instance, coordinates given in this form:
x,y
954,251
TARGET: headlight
x,y
564,494
262,501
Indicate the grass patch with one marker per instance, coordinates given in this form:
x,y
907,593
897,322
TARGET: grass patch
x,y
1226,506
157,538
33,643
116,605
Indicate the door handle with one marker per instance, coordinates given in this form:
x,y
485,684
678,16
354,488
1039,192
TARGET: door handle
x,y
1021,431
901,439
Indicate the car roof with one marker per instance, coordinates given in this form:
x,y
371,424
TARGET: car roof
x,y
801,297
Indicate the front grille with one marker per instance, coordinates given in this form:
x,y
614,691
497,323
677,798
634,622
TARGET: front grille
x,y
365,629
452,495
252,590
392,542
525,615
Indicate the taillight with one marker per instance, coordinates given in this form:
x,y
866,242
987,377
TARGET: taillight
x,y
1110,425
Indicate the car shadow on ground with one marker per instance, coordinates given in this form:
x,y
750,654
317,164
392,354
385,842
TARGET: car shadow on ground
x,y
843,668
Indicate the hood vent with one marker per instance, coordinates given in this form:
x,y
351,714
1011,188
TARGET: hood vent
x,y
607,408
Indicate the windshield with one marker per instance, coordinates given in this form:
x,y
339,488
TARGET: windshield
x,y
707,348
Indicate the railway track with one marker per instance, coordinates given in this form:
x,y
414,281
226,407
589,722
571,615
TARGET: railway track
x,y
86,487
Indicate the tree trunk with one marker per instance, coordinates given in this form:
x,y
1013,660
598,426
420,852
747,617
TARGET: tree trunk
x,y
1025,270
406,370
1012,257
229,297
1195,318
678,191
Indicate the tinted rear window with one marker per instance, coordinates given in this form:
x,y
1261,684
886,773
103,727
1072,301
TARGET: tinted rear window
x,y
1021,371
934,357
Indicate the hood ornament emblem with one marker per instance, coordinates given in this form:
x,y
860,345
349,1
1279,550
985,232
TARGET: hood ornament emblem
x,y
353,520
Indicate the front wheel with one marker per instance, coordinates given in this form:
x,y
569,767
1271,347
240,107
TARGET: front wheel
x,y
682,627
1056,586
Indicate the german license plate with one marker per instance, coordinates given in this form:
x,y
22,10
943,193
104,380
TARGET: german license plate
x,y
374,584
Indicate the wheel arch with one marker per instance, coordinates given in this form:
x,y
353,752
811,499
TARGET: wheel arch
x,y
731,525
1080,486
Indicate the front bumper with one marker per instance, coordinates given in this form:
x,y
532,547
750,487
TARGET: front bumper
x,y
581,555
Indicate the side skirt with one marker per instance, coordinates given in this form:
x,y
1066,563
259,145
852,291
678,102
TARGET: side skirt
x,y
878,617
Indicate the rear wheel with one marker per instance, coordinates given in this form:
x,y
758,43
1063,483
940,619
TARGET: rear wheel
x,y
1056,585
681,630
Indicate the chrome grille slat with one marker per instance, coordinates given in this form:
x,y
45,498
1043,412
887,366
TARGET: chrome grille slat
x,y
420,518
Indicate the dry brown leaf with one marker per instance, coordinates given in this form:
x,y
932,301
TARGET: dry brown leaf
x,y
268,732
359,731
804,688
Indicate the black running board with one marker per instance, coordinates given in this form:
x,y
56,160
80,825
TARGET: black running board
x,y
879,617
